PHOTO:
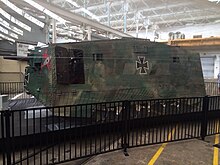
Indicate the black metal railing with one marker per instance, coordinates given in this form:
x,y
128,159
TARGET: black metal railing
x,y
52,135
212,88
13,90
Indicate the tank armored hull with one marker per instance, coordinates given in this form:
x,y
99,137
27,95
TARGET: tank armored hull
x,y
112,70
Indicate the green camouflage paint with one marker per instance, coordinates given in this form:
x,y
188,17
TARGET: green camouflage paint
x,y
112,70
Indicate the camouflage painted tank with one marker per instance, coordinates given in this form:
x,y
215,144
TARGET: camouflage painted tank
x,y
112,70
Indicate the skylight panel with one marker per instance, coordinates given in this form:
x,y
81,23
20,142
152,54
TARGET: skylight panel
x,y
10,27
73,3
54,16
21,24
7,38
84,10
12,6
5,14
13,35
5,31
46,11
14,20
34,20
23,13
16,30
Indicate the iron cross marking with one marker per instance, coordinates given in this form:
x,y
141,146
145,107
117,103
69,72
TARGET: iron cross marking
x,y
142,65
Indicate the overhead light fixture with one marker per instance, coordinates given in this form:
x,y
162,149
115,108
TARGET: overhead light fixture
x,y
7,38
46,11
23,13
10,27
84,10
14,20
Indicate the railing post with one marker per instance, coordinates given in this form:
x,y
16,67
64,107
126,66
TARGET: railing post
x,y
204,117
126,110
7,115
3,136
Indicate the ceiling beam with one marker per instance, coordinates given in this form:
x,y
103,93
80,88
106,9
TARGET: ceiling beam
x,y
75,18
189,19
144,9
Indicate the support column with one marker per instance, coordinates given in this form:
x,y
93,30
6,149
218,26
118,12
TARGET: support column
x,y
85,6
125,15
108,12
217,65
146,23
89,31
54,32
146,31
137,28
155,28
111,36
137,17
84,33
47,28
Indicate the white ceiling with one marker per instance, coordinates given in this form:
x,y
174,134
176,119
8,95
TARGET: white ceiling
x,y
123,15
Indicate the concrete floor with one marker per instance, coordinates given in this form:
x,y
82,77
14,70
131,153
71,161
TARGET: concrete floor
x,y
188,152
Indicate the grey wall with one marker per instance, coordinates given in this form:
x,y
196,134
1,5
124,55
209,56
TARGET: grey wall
x,y
7,48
